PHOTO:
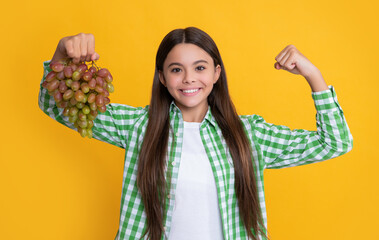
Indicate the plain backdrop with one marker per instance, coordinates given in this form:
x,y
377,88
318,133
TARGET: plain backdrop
x,y
56,185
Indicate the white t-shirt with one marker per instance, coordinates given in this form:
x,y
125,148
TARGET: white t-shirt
x,y
196,212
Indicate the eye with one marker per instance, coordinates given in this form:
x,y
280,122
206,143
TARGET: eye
x,y
174,70
200,68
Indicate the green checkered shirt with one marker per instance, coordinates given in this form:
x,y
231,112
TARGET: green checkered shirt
x,y
274,146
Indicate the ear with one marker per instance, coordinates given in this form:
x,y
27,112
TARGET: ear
x,y
217,73
161,78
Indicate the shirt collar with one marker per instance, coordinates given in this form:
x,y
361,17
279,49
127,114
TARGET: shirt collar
x,y
209,118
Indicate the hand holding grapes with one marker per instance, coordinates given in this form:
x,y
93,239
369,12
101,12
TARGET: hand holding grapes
x,y
79,48
80,90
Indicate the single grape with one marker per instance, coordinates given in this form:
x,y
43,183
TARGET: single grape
x,y
93,106
51,86
100,81
76,76
92,83
73,101
82,116
74,67
89,124
90,117
68,82
99,100
58,96
110,87
68,94
82,131
60,76
92,70
44,84
50,76
73,111
99,89
80,105
93,113
106,100
62,87
75,85
89,133
102,109
91,98
68,71
84,87
57,66
82,68
105,93
85,98
73,119
86,109
108,78
66,111
82,124
102,72
64,104
79,95
87,76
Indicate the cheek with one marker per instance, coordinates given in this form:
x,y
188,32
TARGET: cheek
x,y
208,80
171,86
173,82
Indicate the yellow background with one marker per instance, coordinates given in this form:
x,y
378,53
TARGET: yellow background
x,y
56,185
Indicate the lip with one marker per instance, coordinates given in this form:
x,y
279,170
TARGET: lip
x,y
190,94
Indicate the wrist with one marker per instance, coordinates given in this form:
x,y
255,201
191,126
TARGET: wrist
x,y
317,82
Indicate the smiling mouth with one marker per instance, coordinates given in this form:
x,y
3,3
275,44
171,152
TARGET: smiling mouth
x,y
190,90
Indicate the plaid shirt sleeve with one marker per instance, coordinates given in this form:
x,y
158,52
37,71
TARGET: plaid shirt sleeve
x,y
282,147
111,126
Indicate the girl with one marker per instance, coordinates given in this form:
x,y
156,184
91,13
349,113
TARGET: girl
x,y
193,167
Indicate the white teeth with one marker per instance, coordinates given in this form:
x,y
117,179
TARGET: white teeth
x,y
190,91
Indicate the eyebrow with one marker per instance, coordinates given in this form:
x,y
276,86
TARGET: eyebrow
x,y
198,61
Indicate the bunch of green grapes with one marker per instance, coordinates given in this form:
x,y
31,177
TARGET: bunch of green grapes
x,y
80,90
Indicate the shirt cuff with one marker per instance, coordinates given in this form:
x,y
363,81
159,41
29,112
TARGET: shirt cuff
x,y
326,101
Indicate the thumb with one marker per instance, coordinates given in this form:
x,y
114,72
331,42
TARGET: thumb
x,y
95,56
277,66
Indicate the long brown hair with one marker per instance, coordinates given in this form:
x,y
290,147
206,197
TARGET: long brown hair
x,y
151,166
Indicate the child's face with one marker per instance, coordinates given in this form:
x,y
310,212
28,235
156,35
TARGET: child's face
x,y
189,75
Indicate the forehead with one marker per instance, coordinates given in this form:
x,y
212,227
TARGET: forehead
x,y
186,54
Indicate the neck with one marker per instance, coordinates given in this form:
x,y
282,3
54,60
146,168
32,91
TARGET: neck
x,y
193,114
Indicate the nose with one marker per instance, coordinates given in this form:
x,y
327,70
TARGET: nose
x,y
189,77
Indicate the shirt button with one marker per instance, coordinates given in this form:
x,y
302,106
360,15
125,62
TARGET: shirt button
x,y
173,163
164,228
168,196
177,134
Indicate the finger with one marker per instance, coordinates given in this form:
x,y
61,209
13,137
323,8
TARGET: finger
x,y
90,49
291,65
69,48
277,65
95,56
83,49
76,55
285,58
281,54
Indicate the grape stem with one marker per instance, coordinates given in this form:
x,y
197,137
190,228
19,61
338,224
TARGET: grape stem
x,y
93,63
